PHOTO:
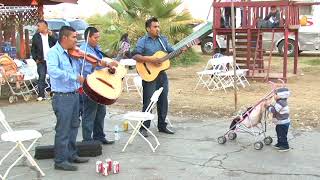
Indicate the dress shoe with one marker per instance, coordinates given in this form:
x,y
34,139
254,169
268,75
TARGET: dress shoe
x,y
166,130
144,132
79,160
105,141
65,167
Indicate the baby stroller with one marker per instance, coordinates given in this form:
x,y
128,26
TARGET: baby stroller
x,y
253,122
14,79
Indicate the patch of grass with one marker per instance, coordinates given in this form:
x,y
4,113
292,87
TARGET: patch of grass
x,y
312,62
186,59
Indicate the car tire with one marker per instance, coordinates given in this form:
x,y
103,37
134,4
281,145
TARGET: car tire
x,y
207,46
290,48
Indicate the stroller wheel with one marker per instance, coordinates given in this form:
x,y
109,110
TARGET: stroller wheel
x,y
258,145
222,140
12,99
27,97
268,140
232,136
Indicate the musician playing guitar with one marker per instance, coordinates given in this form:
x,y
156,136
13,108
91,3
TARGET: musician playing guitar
x,y
93,114
146,47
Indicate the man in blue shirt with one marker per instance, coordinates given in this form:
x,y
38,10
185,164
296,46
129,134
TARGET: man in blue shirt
x,y
65,78
146,47
93,114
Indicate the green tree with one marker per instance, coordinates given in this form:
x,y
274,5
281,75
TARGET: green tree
x,y
129,16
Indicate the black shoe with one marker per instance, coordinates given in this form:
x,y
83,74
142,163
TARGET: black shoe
x,y
166,130
283,149
105,141
65,167
276,146
144,132
79,160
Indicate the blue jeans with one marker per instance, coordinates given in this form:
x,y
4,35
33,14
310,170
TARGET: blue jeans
x,y
92,120
66,109
42,71
162,104
282,132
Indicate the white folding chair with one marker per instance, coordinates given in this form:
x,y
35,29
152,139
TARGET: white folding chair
x,y
138,83
206,77
223,79
240,77
139,118
128,78
18,137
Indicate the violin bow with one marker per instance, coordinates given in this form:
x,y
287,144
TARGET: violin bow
x,y
85,53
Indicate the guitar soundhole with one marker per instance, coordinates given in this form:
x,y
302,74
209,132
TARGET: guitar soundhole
x,y
105,82
145,66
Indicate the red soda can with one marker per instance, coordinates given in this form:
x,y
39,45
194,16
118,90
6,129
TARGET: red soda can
x,y
109,162
116,167
80,90
98,166
105,169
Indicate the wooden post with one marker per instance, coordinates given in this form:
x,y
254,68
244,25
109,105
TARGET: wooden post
x,y
234,57
285,54
22,52
296,52
1,37
26,37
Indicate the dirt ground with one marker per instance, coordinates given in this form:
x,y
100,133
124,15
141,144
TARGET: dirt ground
x,y
200,103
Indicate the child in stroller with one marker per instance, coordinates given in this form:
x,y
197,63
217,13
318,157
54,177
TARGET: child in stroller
x,y
14,79
253,122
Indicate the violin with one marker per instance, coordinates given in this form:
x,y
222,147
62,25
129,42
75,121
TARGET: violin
x,y
92,59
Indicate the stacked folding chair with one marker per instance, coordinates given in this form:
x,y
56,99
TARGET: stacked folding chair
x,y
240,77
210,76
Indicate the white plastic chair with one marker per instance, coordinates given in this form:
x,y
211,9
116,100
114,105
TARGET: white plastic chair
x,y
139,118
128,78
18,137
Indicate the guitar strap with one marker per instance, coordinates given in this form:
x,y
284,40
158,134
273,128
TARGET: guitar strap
x,y
159,38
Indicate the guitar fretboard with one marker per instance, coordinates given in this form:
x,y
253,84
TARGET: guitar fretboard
x,y
178,51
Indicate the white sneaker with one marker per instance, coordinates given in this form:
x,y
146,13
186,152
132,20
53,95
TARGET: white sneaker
x,y
39,98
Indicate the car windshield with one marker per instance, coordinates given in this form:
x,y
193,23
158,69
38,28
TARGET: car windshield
x,y
53,25
78,25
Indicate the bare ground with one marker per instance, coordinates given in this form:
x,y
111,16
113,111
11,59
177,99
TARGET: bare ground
x,y
200,103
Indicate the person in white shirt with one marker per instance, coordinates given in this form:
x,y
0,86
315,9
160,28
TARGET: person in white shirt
x,y
42,41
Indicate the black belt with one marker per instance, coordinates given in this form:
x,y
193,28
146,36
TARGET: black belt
x,y
64,93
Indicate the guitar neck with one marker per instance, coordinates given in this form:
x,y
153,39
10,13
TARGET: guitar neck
x,y
178,51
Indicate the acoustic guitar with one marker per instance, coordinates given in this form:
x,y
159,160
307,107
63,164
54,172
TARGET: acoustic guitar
x,y
104,86
150,71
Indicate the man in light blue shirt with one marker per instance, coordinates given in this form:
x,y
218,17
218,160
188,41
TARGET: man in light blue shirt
x,y
93,114
65,81
146,47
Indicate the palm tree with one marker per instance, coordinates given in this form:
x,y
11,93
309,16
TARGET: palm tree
x,y
130,16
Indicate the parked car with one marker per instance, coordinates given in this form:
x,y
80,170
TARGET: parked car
x,y
78,24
